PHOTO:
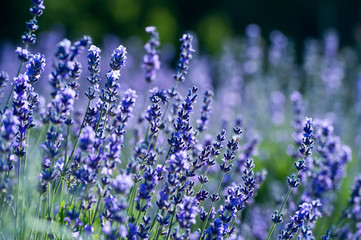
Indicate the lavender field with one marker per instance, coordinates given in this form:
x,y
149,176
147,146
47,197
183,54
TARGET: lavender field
x,y
144,140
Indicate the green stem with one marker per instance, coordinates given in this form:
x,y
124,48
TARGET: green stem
x,y
169,102
17,194
171,222
99,119
38,138
157,232
281,208
77,138
66,146
96,209
200,186
210,208
155,219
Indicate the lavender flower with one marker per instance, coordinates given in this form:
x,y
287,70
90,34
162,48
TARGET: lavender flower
x,y
328,171
77,48
37,7
28,38
122,183
307,141
307,213
132,232
21,110
205,112
36,10
297,123
87,138
74,70
185,57
215,231
61,106
4,78
35,67
355,201
32,25
66,64
93,60
23,54
118,58
188,212
8,130
50,169
94,69
110,92
151,61
125,107
146,189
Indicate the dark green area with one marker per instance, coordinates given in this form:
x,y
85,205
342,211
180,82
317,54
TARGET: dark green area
x,y
211,20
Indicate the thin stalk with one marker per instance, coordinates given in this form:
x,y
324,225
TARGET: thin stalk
x,y
139,213
17,74
210,208
12,89
17,194
77,138
1,207
155,219
96,209
157,232
157,184
171,222
200,186
27,148
169,102
66,146
38,138
281,208
99,119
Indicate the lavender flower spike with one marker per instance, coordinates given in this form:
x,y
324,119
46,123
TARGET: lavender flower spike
x,y
151,61
188,212
185,57
4,78
35,67
94,60
118,58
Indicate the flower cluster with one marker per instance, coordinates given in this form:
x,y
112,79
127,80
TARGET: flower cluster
x,y
151,61
108,167
185,57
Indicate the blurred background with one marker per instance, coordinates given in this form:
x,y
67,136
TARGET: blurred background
x,y
211,20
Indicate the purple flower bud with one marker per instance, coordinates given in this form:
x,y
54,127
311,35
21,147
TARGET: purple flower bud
x,y
94,59
23,54
35,67
151,61
188,212
87,138
185,57
118,58
122,183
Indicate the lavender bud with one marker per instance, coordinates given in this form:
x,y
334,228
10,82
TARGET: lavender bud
x,y
151,61
122,183
35,67
185,57
118,58
23,54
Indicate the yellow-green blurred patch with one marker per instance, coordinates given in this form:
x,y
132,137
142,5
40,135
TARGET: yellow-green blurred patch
x,y
124,10
165,22
212,30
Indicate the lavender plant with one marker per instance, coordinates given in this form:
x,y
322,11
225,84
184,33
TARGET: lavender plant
x,y
105,165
